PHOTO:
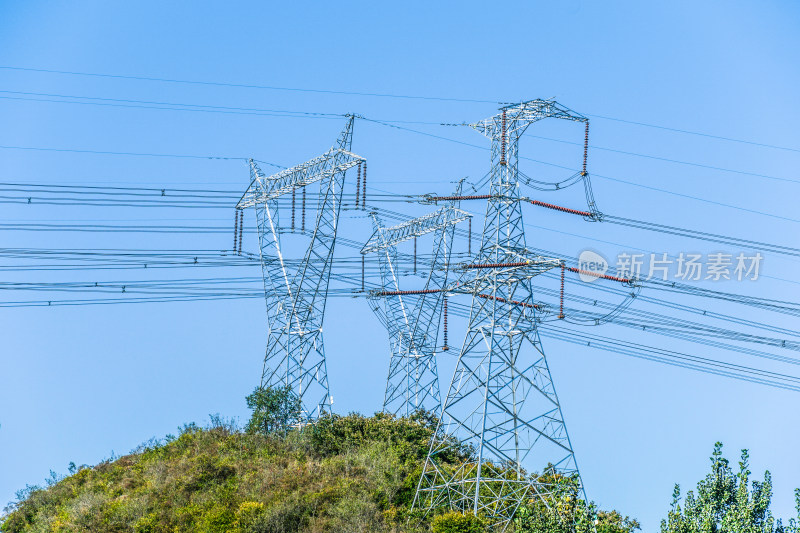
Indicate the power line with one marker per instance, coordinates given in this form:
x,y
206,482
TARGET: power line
x,y
168,106
670,160
387,95
682,195
206,108
108,152
250,86
699,134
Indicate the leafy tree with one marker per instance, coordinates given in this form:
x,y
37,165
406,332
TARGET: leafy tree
x,y
566,512
726,502
454,522
275,409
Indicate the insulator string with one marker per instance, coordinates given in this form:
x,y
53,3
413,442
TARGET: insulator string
x,y
445,347
469,239
241,226
585,147
358,186
415,254
235,227
503,140
561,297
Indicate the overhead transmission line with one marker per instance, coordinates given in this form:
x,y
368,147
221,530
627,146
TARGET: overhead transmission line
x,y
381,95
210,108
657,354
595,175
251,86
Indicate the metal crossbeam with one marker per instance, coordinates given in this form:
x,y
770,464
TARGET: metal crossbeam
x,y
385,237
519,116
264,188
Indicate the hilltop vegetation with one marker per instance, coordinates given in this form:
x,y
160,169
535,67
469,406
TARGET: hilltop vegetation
x,y
347,474
344,473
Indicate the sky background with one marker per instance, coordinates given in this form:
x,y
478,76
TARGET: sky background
x,y
80,383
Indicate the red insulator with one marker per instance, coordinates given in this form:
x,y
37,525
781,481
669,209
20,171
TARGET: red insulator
x,y
235,228
358,185
602,276
585,147
503,300
563,209
303,219
503,140
364,189
241,226
293,202
561,302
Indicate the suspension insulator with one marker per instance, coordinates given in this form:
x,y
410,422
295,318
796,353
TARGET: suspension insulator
x,y
561,300
585,147
445,347
364,188
415,254
235,228
629,281
241,226
503,139
293,202
469,239
358,186
362,272
303,218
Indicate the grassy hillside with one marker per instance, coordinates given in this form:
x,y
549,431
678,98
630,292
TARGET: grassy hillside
x,y
349,473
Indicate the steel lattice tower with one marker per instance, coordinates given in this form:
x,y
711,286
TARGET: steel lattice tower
x,y
501,401
296,292
412,318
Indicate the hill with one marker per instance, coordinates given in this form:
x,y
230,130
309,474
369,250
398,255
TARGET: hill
x,y
345,473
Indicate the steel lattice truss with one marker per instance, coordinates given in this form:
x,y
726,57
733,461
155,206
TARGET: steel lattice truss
x,y
296,296
413,326
414,228
501,402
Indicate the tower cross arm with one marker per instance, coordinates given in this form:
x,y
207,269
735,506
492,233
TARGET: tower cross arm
x,y
263,188
520,116
385,237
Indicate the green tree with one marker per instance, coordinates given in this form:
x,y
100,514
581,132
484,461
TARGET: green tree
x,y
453,522
566,512
726,502
275,409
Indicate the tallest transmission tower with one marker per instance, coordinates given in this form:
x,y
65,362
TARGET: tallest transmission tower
x,y
501,402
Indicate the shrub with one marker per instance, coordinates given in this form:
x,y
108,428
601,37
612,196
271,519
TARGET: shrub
x,y
453,522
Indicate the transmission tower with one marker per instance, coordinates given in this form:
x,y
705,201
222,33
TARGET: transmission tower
x,y
412,317
296,291
501,401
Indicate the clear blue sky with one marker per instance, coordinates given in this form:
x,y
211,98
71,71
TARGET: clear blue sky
x,y
77,383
